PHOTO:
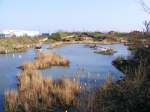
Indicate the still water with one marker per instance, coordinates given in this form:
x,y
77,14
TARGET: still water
x,y
91,67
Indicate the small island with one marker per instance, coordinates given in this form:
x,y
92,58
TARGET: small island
x,y
105,51
46,60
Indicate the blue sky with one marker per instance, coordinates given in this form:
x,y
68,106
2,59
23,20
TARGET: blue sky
x,y
72,15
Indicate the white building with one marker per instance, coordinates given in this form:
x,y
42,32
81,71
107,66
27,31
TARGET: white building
x,y
18,33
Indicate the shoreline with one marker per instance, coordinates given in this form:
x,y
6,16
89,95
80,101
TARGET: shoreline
x,y
62,43
17,45
90,42
23,48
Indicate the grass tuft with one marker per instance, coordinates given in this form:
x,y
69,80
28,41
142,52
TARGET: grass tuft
x,y
37,93
46,60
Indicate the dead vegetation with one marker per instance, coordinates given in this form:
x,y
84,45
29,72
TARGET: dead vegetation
x,y
37,94
46,60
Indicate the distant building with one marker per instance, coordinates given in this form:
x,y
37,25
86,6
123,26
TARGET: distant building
x,y
2,35
45,34
19,33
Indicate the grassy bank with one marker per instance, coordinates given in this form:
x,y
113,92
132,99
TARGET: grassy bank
x,y
88,37
17,44
132,93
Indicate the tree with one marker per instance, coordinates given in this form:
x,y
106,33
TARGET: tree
x,y
147,26
147,10
145,6
55,36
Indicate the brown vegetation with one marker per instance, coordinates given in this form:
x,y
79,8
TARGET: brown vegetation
x,y
130,94
56,44
46,60
38,94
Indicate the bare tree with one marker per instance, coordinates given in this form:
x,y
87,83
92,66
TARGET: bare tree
x,y
145,6
147,10
146,26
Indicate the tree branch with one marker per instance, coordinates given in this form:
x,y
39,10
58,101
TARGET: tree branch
x,y
145,6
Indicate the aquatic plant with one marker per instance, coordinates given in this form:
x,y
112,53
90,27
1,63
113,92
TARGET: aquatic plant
x,y
36,93
11,98
56,44
46,60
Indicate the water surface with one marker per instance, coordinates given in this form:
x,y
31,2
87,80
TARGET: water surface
x,y
92,68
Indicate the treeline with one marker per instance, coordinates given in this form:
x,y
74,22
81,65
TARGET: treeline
x,y
99,36
58,36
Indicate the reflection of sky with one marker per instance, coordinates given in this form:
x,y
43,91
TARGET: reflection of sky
x,y
87,62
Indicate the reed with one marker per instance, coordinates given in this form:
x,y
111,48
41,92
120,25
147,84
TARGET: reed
x,y
37,93
51,59
56,44
46,60
11,100
27,65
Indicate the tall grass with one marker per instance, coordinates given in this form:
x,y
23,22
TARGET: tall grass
x,y
36,93
39,94
56,44
17,44
11,97
46,60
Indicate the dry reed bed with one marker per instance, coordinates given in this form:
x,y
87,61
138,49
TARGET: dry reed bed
x,y
46,60
56,44
36,93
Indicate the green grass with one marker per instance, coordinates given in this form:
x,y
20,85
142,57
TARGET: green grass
x,y
78,36
16,44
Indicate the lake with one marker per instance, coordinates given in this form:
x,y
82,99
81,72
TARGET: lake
x,y
91,67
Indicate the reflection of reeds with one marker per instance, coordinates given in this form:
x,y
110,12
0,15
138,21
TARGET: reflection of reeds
x,y
45,60
36,93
